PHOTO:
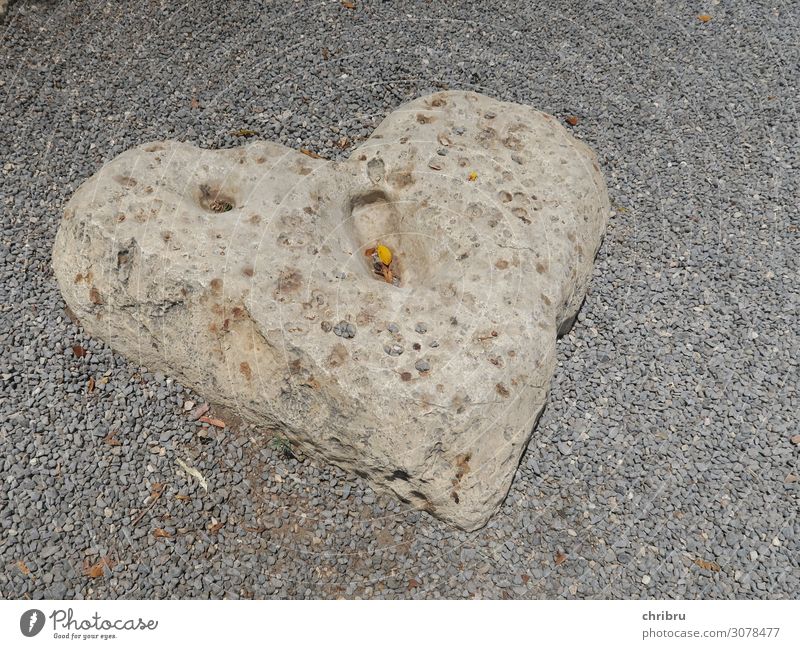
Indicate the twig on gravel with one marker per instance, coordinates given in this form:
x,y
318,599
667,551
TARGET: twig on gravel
x,y
158,493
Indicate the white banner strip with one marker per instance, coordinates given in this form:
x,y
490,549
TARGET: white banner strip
x,y
401,624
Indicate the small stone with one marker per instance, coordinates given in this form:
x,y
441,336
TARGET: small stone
x,y
433,343
422,365
345,329
421,328
776,542
392,327
188,405
646,580
326,326
393,350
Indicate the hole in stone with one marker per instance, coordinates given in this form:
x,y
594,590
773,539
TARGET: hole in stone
x,y
376,219
214,199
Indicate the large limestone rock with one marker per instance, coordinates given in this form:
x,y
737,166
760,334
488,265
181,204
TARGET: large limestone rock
x,y
243,274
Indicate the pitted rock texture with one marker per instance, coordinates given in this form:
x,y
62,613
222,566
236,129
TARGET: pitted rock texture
x,y
242,273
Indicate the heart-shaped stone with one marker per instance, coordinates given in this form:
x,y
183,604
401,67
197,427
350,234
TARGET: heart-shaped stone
x,y
242,273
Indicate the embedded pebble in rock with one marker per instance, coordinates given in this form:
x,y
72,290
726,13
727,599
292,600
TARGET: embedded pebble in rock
x,y
393,350
681,421
422,365
132,260
345,329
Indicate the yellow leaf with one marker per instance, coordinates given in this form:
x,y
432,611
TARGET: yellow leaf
x,y
384,254
704,18
473,176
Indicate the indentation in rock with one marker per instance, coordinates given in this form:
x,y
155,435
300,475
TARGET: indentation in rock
x,y
213,199
244,369
126,181
374,218
376,170
522,214
289,281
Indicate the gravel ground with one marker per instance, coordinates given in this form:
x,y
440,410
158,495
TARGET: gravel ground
x,y
663,466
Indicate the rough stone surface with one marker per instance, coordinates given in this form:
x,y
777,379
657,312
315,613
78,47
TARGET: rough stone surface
x,y
226,269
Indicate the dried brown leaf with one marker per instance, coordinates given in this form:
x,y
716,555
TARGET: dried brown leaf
x,y
23,568
572,120
348,5
244,132
211,421
97,569
79,351
161,533
713,566
156,489
90,385
560,558
216,527
111,439
704,18
195,103
310,153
